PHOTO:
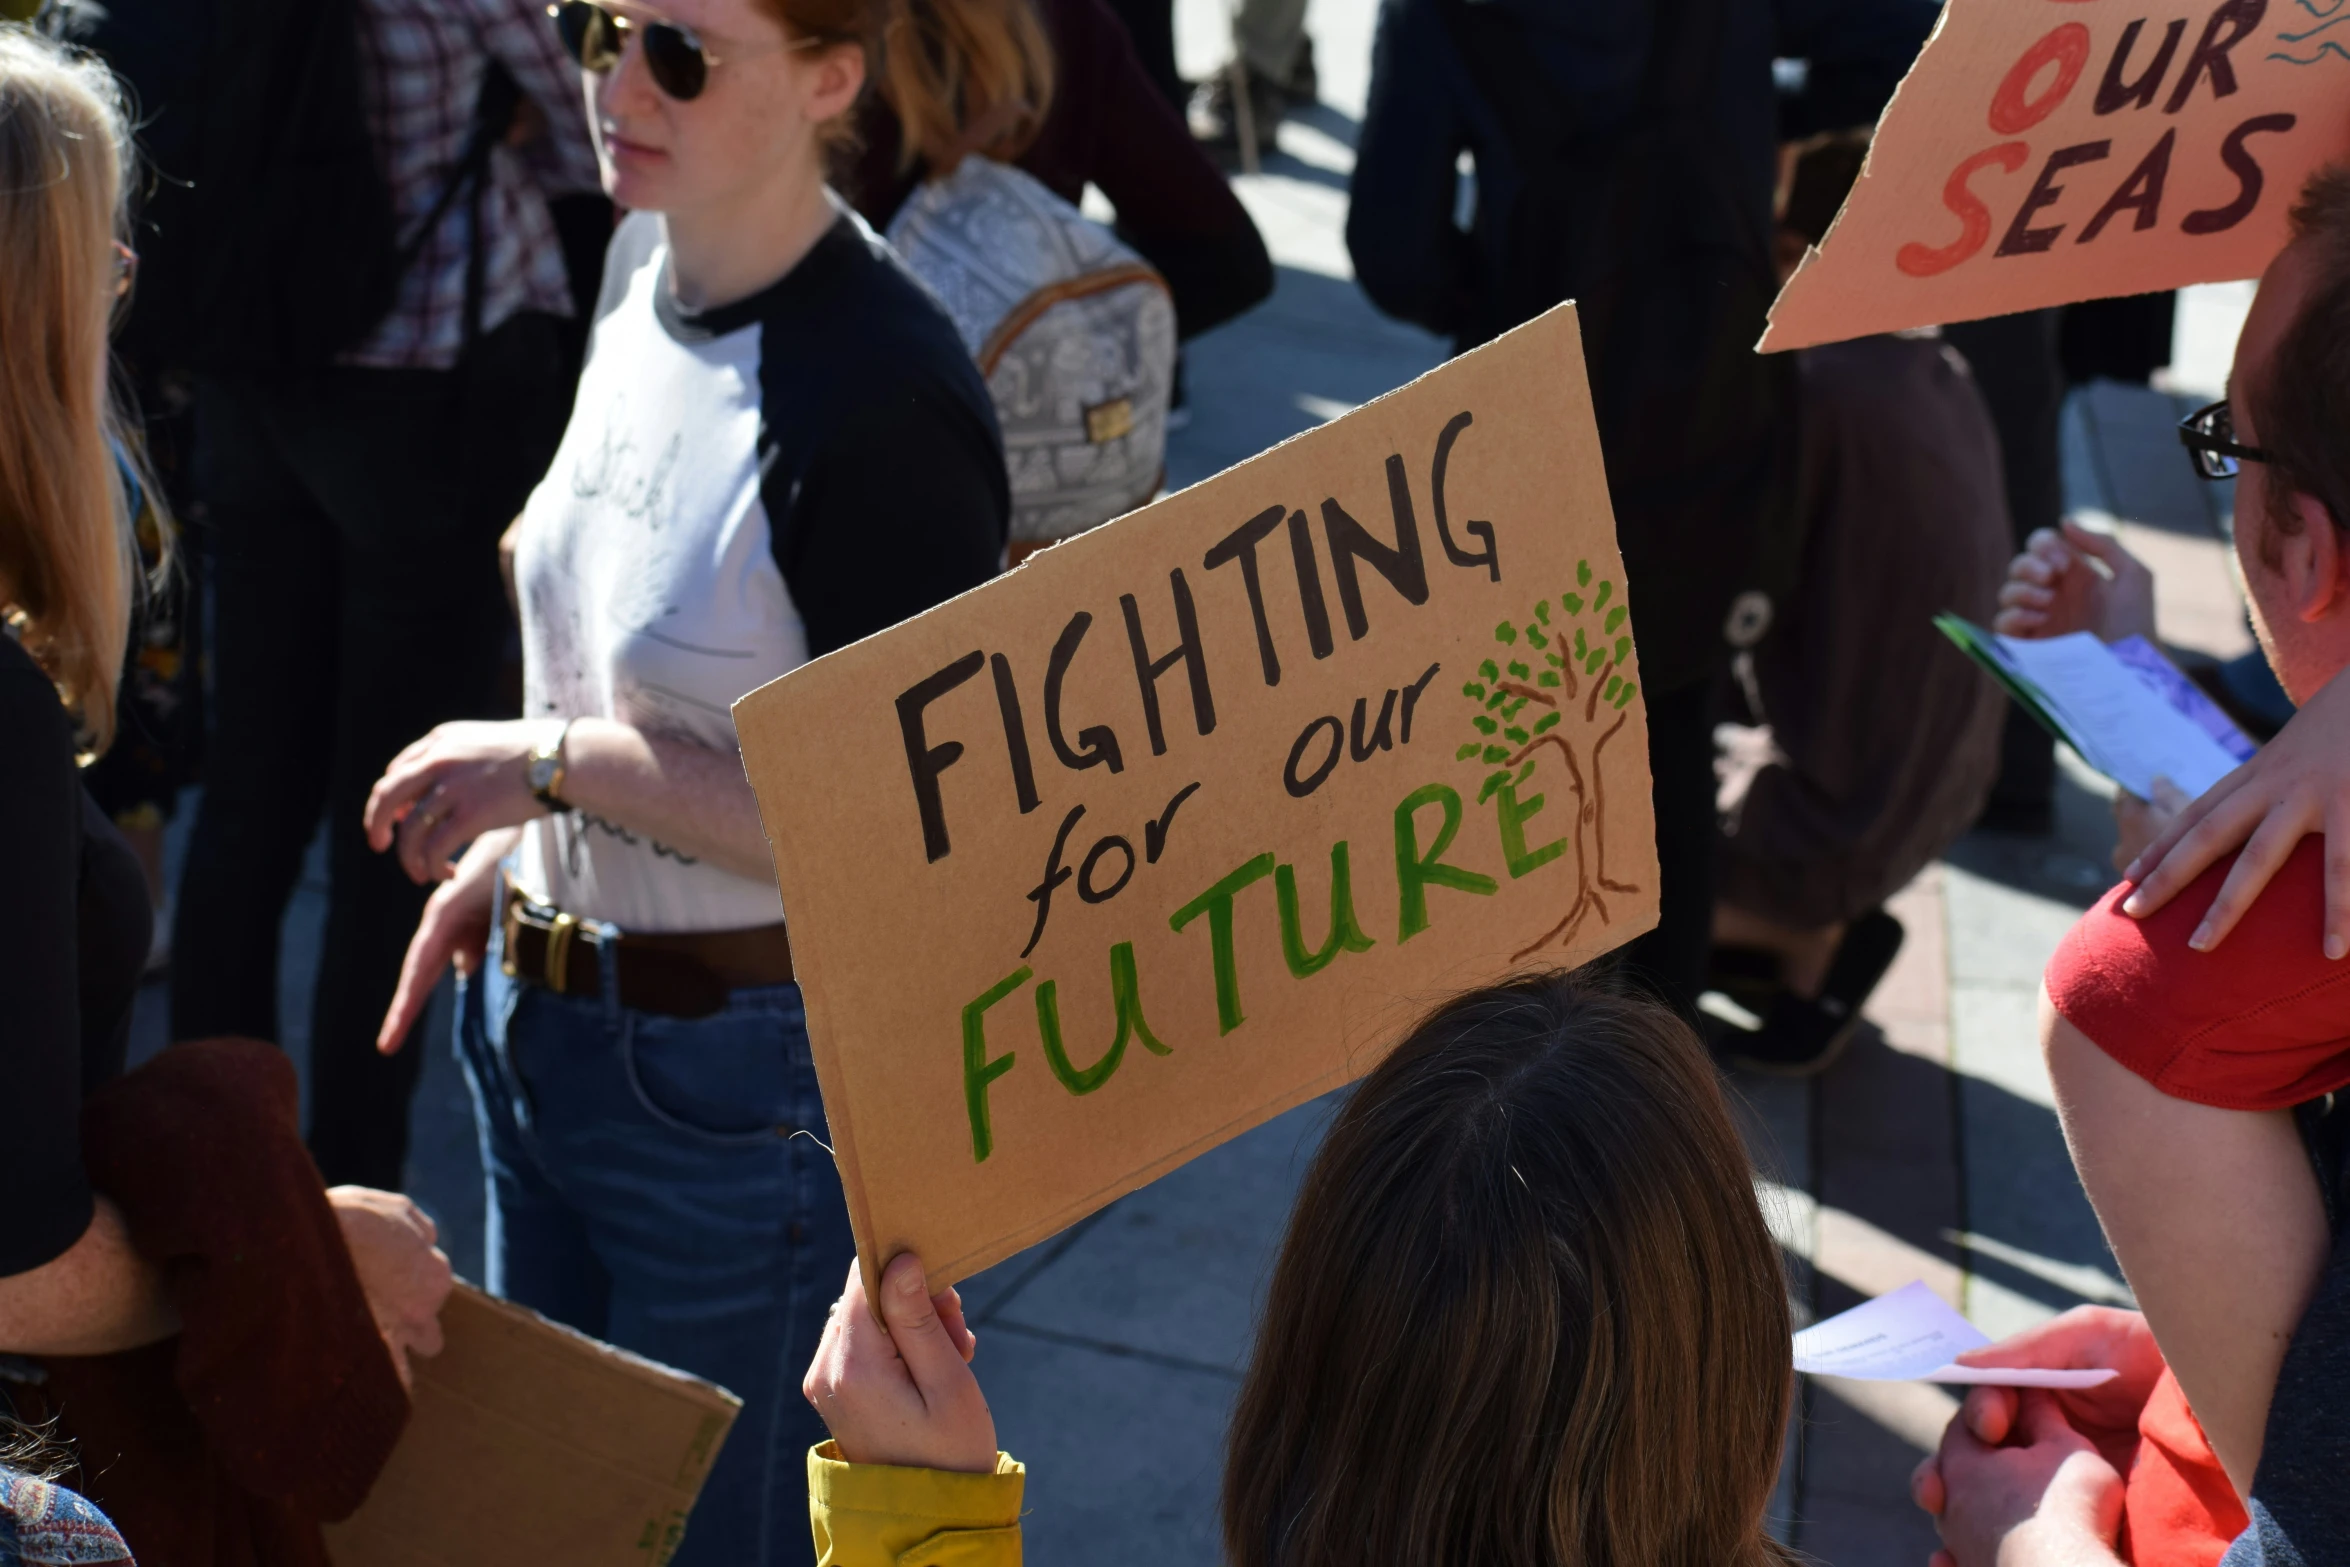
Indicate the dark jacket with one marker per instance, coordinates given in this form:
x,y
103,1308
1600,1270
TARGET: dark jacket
x,y
277,1405
1425,111
1657,214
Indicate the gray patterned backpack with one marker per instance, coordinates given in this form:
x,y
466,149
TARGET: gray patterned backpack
x,y
1073,331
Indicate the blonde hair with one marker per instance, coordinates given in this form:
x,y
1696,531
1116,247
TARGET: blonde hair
x,y
66,572
965,76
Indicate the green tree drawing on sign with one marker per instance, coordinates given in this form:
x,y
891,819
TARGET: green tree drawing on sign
x,y
1555,684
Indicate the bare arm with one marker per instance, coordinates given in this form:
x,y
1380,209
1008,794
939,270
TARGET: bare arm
x,y
99,1297
688,796
2217,1224
467,779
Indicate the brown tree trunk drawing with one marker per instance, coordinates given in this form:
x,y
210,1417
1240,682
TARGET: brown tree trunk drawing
x,y
1591,876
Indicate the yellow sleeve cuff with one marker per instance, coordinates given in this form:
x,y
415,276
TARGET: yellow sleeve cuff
x,y
877,1515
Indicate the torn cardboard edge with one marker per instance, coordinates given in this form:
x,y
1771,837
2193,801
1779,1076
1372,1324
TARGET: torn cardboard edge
x,y
897,930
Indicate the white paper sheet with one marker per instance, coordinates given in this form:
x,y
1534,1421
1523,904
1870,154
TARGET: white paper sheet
x,y
2122,726
1912,1335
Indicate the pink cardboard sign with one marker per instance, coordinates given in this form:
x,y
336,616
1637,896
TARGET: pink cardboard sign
x,y
2047,151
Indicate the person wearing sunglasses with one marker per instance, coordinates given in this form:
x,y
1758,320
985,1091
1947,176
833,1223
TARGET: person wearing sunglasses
x,y
780,446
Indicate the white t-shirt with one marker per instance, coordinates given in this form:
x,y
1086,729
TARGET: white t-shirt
x,y
718,468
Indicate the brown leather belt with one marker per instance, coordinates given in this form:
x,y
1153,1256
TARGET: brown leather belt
x,y
687,974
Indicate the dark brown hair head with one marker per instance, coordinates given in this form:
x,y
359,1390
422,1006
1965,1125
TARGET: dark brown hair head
x,y
1527,1313
2301,407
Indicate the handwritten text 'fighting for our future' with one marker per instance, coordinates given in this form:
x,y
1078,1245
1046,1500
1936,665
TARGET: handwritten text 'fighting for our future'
x,y
1281,548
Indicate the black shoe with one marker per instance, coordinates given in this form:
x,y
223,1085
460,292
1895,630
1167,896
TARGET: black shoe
x,y
1801,1037
1747,975
1305,83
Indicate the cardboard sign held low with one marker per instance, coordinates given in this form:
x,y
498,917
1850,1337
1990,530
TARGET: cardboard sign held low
x,y
531,1443
2047,151
1181,823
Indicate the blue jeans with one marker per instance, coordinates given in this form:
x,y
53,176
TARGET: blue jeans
x,y
645,1187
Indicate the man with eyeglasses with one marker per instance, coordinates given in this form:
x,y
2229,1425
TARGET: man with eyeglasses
x,y
356,492
2201,1091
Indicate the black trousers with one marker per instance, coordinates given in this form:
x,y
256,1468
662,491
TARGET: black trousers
x,y
357,604
1671,960
2016,365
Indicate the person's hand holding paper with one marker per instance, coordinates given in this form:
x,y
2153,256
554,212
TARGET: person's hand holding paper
x,y
2014,1457
2084,1338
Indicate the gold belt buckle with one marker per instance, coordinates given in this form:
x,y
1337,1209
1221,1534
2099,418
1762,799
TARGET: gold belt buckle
x,y
558,964
512,923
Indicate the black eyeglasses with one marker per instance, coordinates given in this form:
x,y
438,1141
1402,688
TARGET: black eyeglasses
x,y
2209,434
674,55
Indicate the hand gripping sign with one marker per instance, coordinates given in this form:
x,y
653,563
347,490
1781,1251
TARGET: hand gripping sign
x,y
2046,151
1181,823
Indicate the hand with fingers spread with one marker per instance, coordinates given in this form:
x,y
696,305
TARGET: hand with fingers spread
x,y
455,928
457,783
2297,784
405,1274
2076,580
897,1389
2045,1497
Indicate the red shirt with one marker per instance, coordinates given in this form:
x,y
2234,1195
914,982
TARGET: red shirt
x,y
2261,1023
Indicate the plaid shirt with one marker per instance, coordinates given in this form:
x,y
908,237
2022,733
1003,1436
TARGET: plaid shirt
x,y
424,61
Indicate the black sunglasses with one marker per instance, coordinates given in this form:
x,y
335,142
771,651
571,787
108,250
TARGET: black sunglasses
x,y
2209,434
674,56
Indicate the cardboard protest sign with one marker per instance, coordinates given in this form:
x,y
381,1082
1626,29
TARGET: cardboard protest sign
x,y
2046,151
1180,823
531,1443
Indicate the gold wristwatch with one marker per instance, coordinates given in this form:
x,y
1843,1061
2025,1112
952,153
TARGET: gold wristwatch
x,y
544,771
